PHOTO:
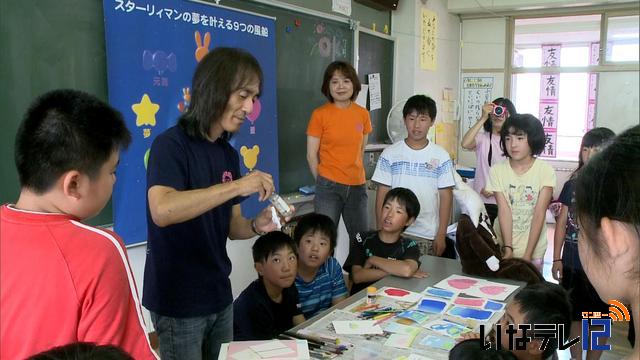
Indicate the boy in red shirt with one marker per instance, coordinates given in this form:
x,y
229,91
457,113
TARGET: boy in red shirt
x,y
62,281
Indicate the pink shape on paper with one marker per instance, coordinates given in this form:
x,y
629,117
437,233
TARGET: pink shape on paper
x,y
257,108
469,302
492,290
462,283
396,292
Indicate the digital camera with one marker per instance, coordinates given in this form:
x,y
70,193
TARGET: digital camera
x,y
499,110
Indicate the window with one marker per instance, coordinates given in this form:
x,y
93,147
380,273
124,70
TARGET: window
x,y
552,78
622,39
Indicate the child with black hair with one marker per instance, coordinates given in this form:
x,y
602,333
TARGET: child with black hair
x,y
376,254
567,268
541,303
608,208
83,351
269,305
424,168
472,349
320,282
484,138
523,186
63,281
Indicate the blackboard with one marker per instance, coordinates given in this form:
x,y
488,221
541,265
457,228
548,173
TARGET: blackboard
x,y
305,45
46,45
375,55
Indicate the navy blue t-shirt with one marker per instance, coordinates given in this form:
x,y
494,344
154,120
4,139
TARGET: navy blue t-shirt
x,y
187,268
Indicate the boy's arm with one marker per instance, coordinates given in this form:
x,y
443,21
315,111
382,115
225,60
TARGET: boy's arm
x,y
403,268
361,274
539,216
298,319
110,311
444,211
381,192
339,290
506,224
558,242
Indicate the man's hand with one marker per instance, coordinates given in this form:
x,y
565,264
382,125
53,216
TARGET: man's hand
x,y
256,182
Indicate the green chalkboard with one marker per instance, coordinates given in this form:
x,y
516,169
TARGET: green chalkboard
x,y
375,55
46,45
305,45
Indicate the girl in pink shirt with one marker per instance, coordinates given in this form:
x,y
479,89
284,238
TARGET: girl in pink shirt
x,y
484,138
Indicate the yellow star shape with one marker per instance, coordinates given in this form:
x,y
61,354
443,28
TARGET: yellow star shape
x,y
145,111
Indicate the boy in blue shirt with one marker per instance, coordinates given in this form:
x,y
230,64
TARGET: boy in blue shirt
x,y
376,254
320,281
269,305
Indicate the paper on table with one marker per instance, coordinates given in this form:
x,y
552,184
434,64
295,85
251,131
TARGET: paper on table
x,y
268,346
402,341
400,294
477,287
360,327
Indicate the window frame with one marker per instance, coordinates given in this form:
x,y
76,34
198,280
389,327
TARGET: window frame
x,y
603,65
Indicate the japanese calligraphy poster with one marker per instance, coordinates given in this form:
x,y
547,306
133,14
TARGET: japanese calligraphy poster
x,y
153,48
594,60
549,94
428,44
476,91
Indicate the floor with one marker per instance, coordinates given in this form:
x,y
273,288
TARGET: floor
x,y
620,347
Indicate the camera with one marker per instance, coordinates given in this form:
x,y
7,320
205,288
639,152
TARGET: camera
x,y
499,110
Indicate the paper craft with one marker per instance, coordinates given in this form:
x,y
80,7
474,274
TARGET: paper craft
x,y
494,305
359,327
401,341
477,287
400,294
414,315
441,293
433,306
270,349
446,328
438,342
395,328
470,313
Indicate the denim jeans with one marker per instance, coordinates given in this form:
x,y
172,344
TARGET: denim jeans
x,y
196,338
350,201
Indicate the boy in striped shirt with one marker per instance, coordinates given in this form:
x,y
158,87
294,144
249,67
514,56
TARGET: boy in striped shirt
x,y
319,281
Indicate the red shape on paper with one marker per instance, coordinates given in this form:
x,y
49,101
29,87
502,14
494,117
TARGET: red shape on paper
x,y
492,290
469,302
397,292
462,283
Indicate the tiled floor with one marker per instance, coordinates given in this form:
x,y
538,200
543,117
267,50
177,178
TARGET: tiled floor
x,y
620,347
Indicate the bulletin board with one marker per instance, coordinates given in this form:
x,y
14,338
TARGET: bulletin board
x,y
152,51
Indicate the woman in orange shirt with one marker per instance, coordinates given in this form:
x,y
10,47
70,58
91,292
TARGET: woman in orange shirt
x,y
336,137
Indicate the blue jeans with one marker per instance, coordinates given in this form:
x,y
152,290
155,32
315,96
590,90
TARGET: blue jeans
x,y
195,338
350,201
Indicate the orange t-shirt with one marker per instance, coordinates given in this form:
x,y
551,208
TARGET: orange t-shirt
x,y
341,133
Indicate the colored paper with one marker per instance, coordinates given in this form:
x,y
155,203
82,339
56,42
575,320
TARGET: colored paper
x,y
433,306
400,294
470,313
402,341
359,327
438,342
477,287
414,315
441,293
446,328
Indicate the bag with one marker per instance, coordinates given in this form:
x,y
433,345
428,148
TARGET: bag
x,y
479,252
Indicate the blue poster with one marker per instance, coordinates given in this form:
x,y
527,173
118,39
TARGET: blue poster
x,y
153,48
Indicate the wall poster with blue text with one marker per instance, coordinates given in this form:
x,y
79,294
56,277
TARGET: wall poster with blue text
x,y
153,48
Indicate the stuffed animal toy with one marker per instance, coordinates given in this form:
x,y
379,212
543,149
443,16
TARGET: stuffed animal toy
x,y
475,240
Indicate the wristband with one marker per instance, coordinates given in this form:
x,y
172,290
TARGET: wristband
x,y
507,246
557,260
253,228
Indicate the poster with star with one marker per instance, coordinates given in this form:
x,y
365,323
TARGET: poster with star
x,y
153,48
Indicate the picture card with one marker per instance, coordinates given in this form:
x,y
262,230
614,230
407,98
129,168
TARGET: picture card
x,y
446,328
494,305
396,328
470,301
470,313
400,294
477,287
402,341
441,293
432,306
438,342
414,315
358,327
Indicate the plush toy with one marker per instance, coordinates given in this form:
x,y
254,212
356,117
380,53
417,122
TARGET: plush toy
x,y
475,240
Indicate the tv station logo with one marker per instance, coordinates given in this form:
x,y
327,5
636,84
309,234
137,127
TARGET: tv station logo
x,y
590,336
595,325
